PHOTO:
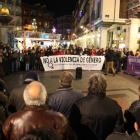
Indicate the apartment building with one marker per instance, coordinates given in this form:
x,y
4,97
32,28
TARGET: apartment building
x,y
133,25
14,6
64,25
36,17
103,23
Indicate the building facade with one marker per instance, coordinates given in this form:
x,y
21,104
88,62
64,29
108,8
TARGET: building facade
x,y
65,26
14,7
103,23
37,18
133,25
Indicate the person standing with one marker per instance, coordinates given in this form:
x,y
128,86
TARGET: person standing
x,y
33,60
135,135
36,115
14,59
117,58
109,59
65,96
16,101
96,116
27,59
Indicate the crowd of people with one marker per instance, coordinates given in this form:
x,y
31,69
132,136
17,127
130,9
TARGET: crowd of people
x,y
27,113
29,58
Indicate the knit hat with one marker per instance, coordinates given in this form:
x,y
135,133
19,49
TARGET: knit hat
x,y
32,75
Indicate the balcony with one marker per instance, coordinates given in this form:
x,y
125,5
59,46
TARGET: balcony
x,y
26,15
18,14
2,0
17,4
33,16
40,17
12,24
132,2
9,2
94,15
18,24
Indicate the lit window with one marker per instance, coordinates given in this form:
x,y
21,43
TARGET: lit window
x,y
0,6
40,23
39,14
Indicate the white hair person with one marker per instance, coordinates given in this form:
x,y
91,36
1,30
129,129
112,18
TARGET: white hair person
x,y
35,94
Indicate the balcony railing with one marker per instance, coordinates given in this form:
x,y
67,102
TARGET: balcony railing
x,y
9,2
2,0
18,14
17,4
12,23
33,16
40,17
26,15
18,24
94,15
132,2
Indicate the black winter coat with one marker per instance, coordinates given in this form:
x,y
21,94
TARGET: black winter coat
x,y
95,117
118,136
123,136
109,56
3,102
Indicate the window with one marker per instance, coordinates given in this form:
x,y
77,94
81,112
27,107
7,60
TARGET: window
x,y
39,23
0,6
10,9
25,22
25,13
17,10
46,24
39,14
33,12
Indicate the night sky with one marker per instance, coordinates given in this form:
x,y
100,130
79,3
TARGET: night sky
x,y
59,7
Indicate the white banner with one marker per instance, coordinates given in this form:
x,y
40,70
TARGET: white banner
x,y
71,62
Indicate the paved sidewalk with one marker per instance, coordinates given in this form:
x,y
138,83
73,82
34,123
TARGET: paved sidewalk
x,y
122,87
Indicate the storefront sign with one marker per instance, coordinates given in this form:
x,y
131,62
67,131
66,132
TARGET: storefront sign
x,y
71,62
133,66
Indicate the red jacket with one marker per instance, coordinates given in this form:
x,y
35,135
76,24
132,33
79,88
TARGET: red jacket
x,y
55,53
93,53
60,53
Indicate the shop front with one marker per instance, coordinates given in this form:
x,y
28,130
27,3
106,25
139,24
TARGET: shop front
x,y
25,39
117,37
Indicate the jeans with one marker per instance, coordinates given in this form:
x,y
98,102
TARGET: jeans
x,y
27,66
14,66
116,66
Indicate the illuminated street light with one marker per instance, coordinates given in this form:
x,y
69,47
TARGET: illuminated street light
x,y
98,35
54,30
81,26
